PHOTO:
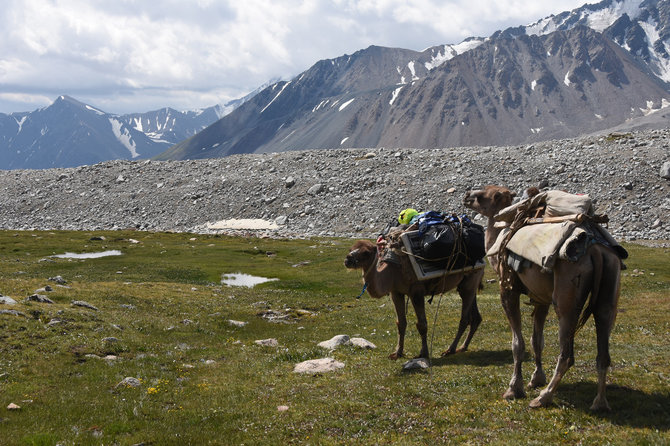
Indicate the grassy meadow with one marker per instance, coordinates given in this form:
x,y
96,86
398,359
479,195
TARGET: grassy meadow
x,y
163,317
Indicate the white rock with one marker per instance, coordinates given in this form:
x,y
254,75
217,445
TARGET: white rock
x,y
335,342
129,382
13,406
318,366
237,323
416,364
7,300
271,342
665,170
362,343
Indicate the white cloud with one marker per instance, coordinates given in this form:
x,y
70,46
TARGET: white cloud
x,y
132,55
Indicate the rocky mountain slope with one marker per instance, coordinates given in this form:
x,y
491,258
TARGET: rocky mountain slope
x,y
69,133
345,192
586,70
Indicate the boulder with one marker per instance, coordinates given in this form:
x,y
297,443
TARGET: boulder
x,y
129,382
335,342
7,300
665,170
416,364
267,342
362,343
315,366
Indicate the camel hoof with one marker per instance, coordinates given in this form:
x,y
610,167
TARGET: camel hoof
x,y
395,355
540,401
600,405
512,395
448,352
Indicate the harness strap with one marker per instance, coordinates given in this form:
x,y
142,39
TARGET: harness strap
x,y
365,287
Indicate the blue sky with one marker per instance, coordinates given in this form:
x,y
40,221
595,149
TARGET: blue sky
x,y
133,56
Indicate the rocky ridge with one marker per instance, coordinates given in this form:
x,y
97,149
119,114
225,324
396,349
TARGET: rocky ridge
x,y
347,192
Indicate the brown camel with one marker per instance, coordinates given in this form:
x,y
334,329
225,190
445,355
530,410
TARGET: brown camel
x,y
384,278
567,287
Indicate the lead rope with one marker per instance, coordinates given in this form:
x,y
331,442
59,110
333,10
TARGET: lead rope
x,y
432,336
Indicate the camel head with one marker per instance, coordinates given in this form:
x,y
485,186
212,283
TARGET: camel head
x,y
361,255
488,201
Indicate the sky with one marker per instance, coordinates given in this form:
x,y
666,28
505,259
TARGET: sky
x,y
126,56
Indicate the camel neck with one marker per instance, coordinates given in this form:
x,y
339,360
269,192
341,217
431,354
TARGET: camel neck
x,y
491,233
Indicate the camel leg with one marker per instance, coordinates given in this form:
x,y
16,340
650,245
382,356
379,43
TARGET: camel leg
x,y
603,361
539,378
419,305
510,303
567,303
401,322
604,316
470,315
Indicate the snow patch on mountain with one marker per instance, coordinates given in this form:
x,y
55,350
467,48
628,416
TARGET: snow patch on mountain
x,y
395,94
450,51
343,106
124,137
413,71
20,122
275,98
598,20
95,110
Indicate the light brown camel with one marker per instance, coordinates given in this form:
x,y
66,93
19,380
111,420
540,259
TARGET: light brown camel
x,y
384,278
568,287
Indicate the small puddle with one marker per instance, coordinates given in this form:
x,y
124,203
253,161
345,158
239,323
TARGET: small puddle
x,y
88,255
247,280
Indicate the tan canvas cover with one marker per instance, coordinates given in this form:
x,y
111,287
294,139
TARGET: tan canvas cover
x,y
538,243
561,203
558,204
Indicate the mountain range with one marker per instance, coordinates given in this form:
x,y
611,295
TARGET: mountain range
x,y
598,67
579,72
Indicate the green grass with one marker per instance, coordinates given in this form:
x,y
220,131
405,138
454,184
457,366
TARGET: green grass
x,y
204,381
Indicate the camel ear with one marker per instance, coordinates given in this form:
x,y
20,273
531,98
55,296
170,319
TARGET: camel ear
x,y
512,194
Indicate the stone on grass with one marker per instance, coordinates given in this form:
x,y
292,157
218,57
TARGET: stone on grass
x,y
315,366
282,408
362,343
81,303
129,382
416,364
39,298
58,279
7,300
271,342
13,406
54,321
13,313
237,323
335,342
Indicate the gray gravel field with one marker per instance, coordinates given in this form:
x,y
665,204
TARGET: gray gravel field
x,y
351,193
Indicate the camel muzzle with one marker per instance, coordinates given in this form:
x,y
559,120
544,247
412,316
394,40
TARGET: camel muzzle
x,y
351,261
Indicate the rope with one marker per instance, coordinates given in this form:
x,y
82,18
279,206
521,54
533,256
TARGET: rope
x,y
432,335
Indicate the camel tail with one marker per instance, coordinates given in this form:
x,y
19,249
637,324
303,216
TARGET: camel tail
x,y
598,266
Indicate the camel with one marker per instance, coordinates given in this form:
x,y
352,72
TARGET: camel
x,y
567,287
382,278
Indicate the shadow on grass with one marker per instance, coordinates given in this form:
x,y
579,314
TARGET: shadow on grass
x,y
630,407
481,358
